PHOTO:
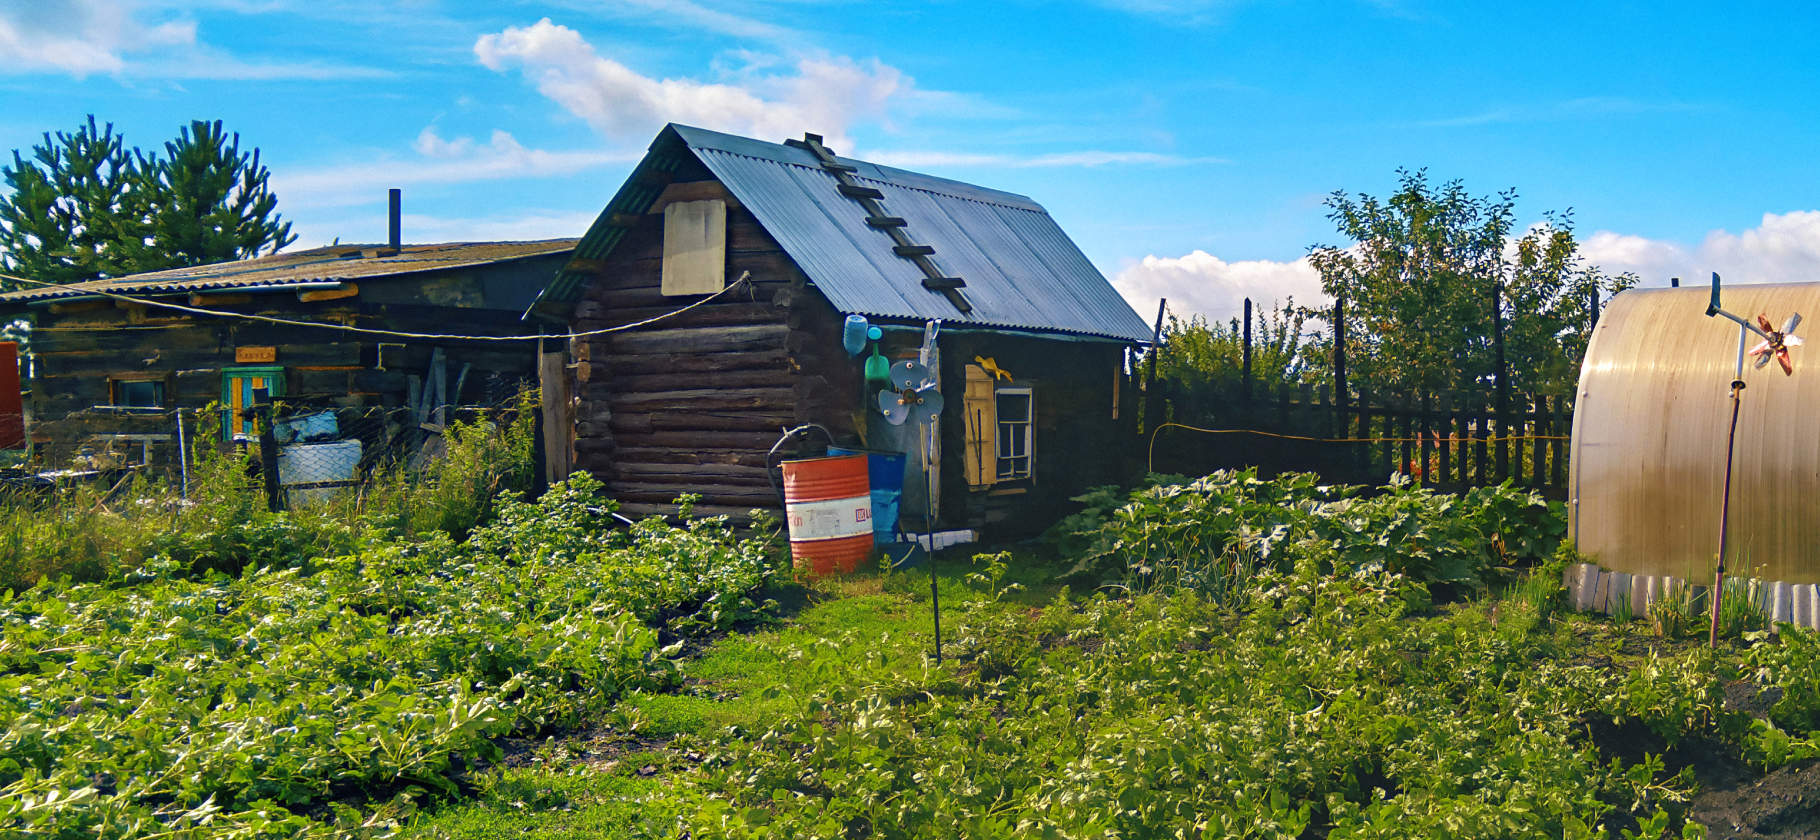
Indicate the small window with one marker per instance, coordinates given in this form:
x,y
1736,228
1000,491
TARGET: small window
x,y
695,247
237,386
1014,433
137,393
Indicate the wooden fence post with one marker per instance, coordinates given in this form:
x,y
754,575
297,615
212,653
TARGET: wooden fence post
x,y
1427,439
1247,362
1153,407
1445,438
1556,429
1404,447
1538,460
268,449
1482,422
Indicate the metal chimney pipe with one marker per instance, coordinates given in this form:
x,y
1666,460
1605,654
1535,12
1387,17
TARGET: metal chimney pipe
x,y
395,219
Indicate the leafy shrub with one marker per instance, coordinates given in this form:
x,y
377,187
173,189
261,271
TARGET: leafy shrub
x,y
1212,533
91,531
241,701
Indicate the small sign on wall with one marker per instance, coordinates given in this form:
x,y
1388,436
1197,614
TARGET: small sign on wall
x,y
255,355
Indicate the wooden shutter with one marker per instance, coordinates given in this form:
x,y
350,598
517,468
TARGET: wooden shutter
x,y
981,408
695,248
237,385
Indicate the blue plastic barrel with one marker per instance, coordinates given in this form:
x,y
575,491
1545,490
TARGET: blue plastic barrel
x,y
885,473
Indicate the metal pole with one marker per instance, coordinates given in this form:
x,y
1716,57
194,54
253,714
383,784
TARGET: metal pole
x,y
1725,505
935,590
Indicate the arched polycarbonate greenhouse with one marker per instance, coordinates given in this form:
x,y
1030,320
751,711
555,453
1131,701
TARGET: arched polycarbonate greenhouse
x,y
1649,437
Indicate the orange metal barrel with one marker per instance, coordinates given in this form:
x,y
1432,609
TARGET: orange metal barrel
x,y
828,503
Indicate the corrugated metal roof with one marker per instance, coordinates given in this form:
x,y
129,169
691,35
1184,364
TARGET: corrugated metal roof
x,y
335,263
1021,270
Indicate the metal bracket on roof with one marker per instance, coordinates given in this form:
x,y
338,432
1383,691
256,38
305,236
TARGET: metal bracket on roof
x,y
872,199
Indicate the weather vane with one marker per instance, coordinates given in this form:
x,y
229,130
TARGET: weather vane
x,y
1775,343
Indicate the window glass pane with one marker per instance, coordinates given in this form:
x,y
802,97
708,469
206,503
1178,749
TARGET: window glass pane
x,y
1013,434
1013,407
139,394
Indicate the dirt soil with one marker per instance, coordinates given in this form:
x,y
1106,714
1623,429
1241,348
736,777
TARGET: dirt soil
x,y
1734,800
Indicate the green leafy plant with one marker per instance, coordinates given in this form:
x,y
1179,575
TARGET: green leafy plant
x,y
217,705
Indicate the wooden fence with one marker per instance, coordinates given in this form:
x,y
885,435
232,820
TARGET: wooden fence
x,y
1449,440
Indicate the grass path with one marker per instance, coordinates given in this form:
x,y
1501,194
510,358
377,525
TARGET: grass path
x,y
606,781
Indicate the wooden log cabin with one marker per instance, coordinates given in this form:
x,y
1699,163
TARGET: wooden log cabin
x,y
790,240
106,368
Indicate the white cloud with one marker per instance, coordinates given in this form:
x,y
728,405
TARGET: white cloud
x,y
1203,284
1784,248
80,37
1584,108
687,14
84,37
441,161
823,95
1083,158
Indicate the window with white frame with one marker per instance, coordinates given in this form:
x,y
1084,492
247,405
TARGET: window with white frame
x,y
1014,432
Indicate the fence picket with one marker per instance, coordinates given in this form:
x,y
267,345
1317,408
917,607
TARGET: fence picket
x,y
1445,439
1554,446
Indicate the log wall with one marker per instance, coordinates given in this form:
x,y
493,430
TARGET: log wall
x,y
691,404
78,347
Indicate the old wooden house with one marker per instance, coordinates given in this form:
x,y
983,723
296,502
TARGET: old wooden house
x,y
792,240
120,369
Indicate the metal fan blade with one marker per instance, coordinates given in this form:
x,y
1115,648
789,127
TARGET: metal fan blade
x,y
1788,367
1762,359
1793,341
892,406
930,407
909,375
1793,322
1763,321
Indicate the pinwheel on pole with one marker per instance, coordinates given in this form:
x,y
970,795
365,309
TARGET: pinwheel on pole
x,y
1774,344
913,398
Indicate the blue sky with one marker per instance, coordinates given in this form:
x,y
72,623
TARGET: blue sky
x,y
1187,145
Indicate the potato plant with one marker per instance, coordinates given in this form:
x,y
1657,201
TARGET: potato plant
x,y
174,705
1318,706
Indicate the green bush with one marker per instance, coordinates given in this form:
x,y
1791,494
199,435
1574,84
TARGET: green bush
x,y
90,532
1213,533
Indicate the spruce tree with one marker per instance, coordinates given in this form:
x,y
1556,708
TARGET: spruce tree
x,y
84,206
210,202
77,208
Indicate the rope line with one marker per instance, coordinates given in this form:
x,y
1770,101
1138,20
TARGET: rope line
x,y
1151,459
744,278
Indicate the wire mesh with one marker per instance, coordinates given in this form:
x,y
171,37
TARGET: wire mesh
x,y
316,450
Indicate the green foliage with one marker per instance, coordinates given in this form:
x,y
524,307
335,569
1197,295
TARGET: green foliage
x,y
1211,534
77,208
1419,278
1197,351
241,702
85,206
90,532
1321,707
211,202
